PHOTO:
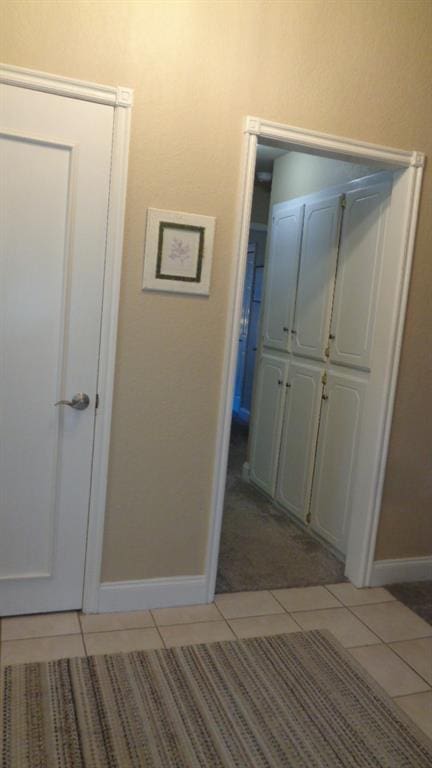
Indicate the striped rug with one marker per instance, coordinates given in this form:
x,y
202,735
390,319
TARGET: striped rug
x,y
295,700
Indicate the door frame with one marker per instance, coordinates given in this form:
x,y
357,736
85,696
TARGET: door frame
x,y
402,230
121,99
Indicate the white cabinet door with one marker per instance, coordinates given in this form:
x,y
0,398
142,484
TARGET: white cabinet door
x,y
281,277
266,430
55,159
316,277
335,460
358,275
299,434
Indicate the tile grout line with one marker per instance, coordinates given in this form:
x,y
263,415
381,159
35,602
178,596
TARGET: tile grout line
x,y
385,642
406,695
374,632
41,637
160,635
410,667
407,662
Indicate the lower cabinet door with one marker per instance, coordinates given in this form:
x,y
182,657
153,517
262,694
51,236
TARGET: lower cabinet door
x,y
336,456
267,418
299,435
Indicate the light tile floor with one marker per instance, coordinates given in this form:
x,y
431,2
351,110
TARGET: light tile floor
x,y
386,638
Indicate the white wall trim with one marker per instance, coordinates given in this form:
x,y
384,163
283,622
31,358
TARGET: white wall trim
x,y
114,96
107,356
235,301
361,545
410,215
325,142
403,569
151,593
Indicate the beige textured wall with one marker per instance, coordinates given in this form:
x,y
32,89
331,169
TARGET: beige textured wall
x,y
297,173
354,69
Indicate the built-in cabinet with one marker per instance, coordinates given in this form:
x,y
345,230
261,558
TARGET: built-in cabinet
x,y
320,300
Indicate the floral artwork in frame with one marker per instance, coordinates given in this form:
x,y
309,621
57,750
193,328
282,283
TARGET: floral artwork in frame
x,y
178,252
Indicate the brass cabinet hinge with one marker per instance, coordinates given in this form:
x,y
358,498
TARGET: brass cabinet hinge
x,y
343,201
324,378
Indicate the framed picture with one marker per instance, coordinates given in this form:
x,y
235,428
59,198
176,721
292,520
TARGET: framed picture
x,y
178,252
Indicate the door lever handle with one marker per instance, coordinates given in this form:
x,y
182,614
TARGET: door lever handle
x,y
80,401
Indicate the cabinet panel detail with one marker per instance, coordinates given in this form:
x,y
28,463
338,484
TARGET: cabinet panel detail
x,y
299,433
266,428
316,277
281,278
358,274
335,459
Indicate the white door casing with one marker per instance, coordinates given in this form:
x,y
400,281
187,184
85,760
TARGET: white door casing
x,y
281,276
398,248
268,404
316,277
60,248
299,434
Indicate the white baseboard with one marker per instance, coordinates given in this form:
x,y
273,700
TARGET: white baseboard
x,y
404,569
151,593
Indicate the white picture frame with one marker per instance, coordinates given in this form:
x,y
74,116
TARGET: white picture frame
x,y
178,252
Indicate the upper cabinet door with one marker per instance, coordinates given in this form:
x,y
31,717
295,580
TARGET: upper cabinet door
x,y
316,277
299,434
281,278
358,275
268,402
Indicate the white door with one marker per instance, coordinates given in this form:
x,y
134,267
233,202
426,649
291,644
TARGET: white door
x,y
336,455
358,275
268,402
316,277
55,160
299,434
281,277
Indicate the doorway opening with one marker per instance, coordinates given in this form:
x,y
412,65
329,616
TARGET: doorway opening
x,y
327,232
276,532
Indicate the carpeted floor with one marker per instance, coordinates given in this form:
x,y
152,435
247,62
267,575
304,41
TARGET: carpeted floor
x,y
416,595
260,547
277,702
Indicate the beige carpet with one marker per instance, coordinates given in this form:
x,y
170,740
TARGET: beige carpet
x,y
253,527
294,700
